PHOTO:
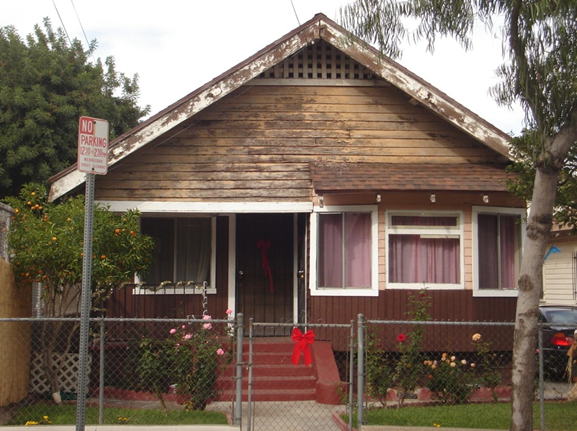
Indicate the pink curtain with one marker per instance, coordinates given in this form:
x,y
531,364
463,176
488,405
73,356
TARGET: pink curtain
x,y
358,249
356,259
330,250
416,259
413,259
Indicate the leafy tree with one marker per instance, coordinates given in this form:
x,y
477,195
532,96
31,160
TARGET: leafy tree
x,y
46,245
540,72
46,84
525,166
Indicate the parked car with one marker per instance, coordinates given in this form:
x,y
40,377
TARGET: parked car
x,y
558,336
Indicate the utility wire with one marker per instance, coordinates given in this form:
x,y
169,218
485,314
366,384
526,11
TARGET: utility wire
x,y
61,22
81,26
295,11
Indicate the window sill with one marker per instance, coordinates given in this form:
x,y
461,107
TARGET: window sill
x,y
494,293
344,292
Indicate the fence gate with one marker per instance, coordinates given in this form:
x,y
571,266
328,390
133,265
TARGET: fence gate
x,y
298,382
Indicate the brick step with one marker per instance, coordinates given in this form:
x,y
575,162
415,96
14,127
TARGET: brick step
x,y
272,395
271,370
263,346
269,358
272,382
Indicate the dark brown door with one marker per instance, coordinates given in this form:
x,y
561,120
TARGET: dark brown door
x,y
264,265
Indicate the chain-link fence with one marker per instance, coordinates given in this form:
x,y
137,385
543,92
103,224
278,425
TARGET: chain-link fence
x,y
140,371
300,382
183,371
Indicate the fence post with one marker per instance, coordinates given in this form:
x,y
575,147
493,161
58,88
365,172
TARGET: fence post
x,y
360,369
351,372
541,376
101,380
239,334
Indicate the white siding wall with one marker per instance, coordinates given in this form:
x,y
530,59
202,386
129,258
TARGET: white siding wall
x,y
558,283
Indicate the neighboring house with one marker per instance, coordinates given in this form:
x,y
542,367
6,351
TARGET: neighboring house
x,y
560,269
319,179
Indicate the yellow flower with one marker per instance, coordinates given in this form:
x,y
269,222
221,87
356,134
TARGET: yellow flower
x,y
476,337
30,423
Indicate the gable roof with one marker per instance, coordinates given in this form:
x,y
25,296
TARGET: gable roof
x,y
318,28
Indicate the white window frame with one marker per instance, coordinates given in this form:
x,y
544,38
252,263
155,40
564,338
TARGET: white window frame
x,y
373,290
522,213
172,290
426,230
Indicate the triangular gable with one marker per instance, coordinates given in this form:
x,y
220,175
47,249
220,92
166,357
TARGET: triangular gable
x,y
320,27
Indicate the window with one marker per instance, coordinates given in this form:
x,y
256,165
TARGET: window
x,y
424,250
184,250
498,243
345,244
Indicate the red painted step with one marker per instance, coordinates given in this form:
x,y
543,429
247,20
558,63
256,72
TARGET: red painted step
x,y
275,377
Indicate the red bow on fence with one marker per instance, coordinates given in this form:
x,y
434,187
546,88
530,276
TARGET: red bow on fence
x,y
302,345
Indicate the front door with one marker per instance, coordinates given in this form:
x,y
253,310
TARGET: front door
x,y
265,269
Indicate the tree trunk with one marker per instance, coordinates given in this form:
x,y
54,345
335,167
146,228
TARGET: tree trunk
x,y
538,230
552,159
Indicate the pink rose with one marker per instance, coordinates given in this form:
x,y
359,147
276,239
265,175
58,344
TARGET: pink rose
x,y
173,331
229,311
220,352
207,326
206,317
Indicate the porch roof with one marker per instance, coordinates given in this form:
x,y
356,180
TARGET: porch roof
x,y
374,177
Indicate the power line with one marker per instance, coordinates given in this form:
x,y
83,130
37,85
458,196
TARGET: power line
x,y
81,26
295,11
61,22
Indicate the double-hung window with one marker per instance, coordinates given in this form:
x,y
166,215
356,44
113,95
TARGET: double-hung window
x,y
184,251
344,249
424,250
498,235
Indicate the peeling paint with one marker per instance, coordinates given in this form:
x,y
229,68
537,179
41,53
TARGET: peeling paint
x,y
158,129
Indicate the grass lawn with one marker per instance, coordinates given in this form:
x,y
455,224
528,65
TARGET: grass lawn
x,y
559,416
66,415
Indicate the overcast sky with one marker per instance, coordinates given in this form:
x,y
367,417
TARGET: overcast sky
x,y
175,46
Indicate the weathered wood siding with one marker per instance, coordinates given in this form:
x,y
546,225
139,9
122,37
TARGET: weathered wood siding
x,y
256,143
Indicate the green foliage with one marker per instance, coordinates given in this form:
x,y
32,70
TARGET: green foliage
x,y
65,414
524,168
451,380
46,85
46,245
379,369
409,367
191,357
559,416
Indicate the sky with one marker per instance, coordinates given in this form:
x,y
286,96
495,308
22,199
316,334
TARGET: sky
x,y
176,46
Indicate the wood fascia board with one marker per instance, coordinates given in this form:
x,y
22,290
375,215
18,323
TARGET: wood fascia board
x,y
425,94
191,105
173,207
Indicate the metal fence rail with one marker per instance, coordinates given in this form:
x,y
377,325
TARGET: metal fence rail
x,y
142,371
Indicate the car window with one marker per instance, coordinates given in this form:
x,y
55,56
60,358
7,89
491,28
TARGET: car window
x,y
561,316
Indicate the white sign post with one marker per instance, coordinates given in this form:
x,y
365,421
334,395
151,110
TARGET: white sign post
x,y
92,159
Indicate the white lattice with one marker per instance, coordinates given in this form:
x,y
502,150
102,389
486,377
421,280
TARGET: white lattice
x,y
68,377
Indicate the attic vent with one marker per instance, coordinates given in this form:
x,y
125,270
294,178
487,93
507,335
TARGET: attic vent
x,y
318,61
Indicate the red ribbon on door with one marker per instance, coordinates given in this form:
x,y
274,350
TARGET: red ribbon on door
x,y
264,246
302,345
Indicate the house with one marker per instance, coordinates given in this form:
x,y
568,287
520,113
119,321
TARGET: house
x,y
316,180
559,269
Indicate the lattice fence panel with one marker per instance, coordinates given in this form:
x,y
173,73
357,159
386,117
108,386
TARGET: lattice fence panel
x,y
68,377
